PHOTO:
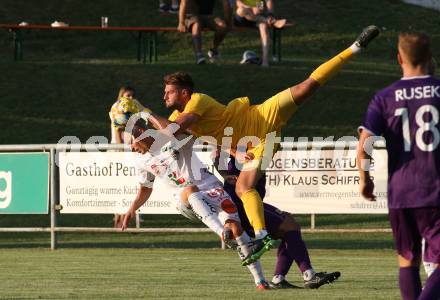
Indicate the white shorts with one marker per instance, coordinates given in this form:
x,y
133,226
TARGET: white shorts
x,y
217,198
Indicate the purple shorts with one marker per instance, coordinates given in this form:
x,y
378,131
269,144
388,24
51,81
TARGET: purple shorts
x,y
410,225
272,215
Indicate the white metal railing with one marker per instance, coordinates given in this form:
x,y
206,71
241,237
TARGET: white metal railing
x,y
54,183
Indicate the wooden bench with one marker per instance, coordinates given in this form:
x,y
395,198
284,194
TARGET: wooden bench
x,y
146,38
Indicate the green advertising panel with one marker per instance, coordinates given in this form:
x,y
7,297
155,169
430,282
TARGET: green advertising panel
x,y
24,183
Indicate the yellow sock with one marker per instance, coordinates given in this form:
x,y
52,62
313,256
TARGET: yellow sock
x,y
329,69
253,206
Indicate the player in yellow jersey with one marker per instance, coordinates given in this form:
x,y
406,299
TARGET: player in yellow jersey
x,y
204,117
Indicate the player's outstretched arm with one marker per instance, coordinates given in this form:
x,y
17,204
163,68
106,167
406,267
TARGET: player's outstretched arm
x,y
158,122
142,196
184,121
363,161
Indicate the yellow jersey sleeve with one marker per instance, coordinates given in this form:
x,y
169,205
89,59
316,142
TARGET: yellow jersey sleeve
x,y
211,114
173,116
199,104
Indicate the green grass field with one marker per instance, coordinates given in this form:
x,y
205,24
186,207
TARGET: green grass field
x,y
184,266
67,83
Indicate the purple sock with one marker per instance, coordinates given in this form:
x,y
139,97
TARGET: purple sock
x,y
292,248
284,259
409,282
432,287
298,250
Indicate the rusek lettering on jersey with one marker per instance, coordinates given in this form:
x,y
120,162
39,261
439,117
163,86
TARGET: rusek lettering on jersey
x,y
417,93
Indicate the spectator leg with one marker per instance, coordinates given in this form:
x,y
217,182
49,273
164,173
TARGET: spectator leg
x,y
220,33
264,35
196,37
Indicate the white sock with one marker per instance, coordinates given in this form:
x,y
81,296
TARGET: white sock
x,y
257,272
206,212
260,234
255,268
243,241
429,268
355,48
277,278
308,274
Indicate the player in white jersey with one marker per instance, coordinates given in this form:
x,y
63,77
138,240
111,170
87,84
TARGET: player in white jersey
x,y
174,163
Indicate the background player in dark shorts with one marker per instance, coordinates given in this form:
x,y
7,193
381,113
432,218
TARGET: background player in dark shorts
x,y
406,113
280,225
195,15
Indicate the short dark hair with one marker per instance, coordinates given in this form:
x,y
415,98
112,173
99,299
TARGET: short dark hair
x,y
416,46
139,127
181,79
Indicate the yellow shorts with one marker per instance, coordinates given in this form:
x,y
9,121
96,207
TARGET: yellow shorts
x,y
269,117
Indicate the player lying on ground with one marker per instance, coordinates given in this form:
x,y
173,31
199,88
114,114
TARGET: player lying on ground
x,y
280,225
175,164
241,122
406,113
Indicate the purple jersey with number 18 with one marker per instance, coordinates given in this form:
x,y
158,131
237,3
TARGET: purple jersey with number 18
x,y
407,114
